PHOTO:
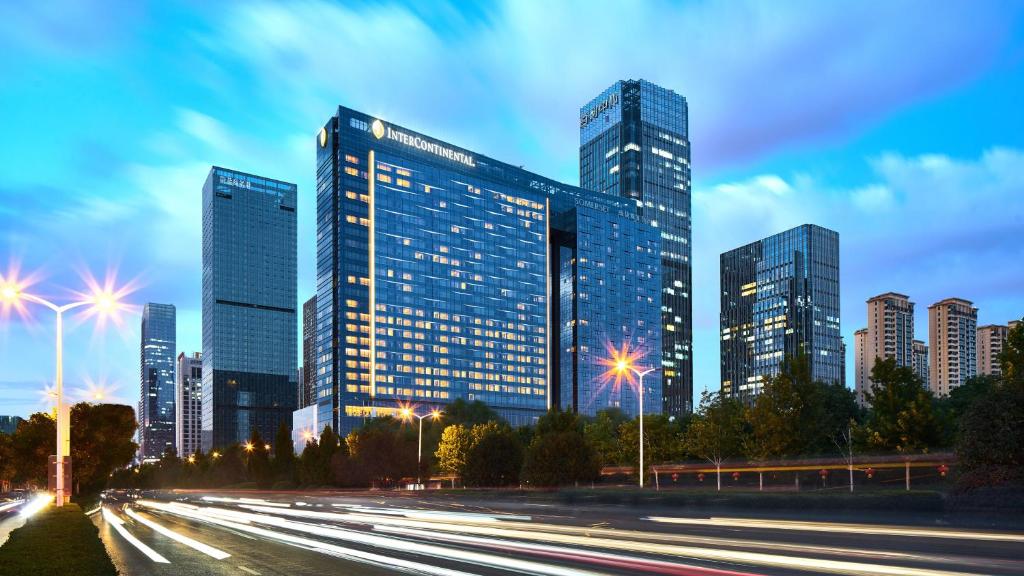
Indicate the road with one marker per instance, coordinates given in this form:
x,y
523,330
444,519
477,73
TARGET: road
x,y
220,533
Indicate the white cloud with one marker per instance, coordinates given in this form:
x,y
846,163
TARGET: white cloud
x,y
931,226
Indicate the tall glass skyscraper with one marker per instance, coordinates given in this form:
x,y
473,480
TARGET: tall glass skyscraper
x,y
780,297
249,299
634,144
157,401
307,384
434,272
189,411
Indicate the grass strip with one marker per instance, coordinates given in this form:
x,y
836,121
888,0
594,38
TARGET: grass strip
x,y
56,541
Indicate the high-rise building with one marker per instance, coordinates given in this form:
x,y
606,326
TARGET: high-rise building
x,y
890,334
436,270
952,336
249,299
634,144
780,297
921,361
608,293
860,363
990,341
189,410
307,390
9,424
157,400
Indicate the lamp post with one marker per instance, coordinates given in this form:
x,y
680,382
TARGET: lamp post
x,y
102,301
407,413
623,365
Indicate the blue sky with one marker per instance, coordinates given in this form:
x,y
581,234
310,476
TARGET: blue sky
x,y
898,124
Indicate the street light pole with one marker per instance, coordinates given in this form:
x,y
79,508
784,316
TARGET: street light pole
x,y
640,376
408,413
103,301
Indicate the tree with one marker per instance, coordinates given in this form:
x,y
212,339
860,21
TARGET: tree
x,y
453,449
468,414
383,451
602,433
7,468
309,466
559,452
990,447
496,457
990,443
1011,359
902,418
716,432
257,460
663,440
284,455
101,442
33,442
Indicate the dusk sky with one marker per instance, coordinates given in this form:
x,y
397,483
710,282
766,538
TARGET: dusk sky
x,y
898,124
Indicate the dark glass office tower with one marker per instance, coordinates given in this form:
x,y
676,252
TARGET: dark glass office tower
x,y
634,144
249,298
307,387
780,296
434,274
157,402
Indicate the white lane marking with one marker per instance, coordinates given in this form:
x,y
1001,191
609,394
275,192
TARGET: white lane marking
x,y
117,524
249,570
846,528
204,548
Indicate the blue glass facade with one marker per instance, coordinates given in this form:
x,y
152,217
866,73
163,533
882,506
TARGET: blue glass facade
x,y
609,290
249,299
157,398
780,296
432,275
634,144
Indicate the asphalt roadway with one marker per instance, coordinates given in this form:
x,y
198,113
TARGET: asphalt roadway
x,y
294,534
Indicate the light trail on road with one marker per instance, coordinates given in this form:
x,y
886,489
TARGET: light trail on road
x,y
191,543
118,525
846,528
446,538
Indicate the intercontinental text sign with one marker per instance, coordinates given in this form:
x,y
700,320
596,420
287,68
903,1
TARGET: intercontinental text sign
x,y
379,130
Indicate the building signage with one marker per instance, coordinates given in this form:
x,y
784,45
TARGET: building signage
x,y
588,117
236,182
323,137
379,130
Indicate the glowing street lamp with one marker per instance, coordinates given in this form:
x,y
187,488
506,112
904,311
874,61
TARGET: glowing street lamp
x,y
408,414
102,301
622,364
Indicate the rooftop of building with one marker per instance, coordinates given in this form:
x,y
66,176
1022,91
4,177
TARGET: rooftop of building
x,y
888,296
953,301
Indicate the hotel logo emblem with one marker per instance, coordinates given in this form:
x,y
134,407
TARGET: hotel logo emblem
x,y
323,137
377,128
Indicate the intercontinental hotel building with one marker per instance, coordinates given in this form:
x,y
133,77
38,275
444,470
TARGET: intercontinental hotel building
x,y
445,274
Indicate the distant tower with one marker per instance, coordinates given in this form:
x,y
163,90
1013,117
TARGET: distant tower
x,y
952,335
860,371
991,340
780,297
249,298
890,334
921,361
189,393
308,389
157,401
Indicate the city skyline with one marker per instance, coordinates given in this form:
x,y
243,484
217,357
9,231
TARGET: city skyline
x,y
881,176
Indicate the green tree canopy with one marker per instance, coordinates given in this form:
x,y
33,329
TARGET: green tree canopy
x,y
496,457
602,432
902,417
453,449
717,431
559,453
